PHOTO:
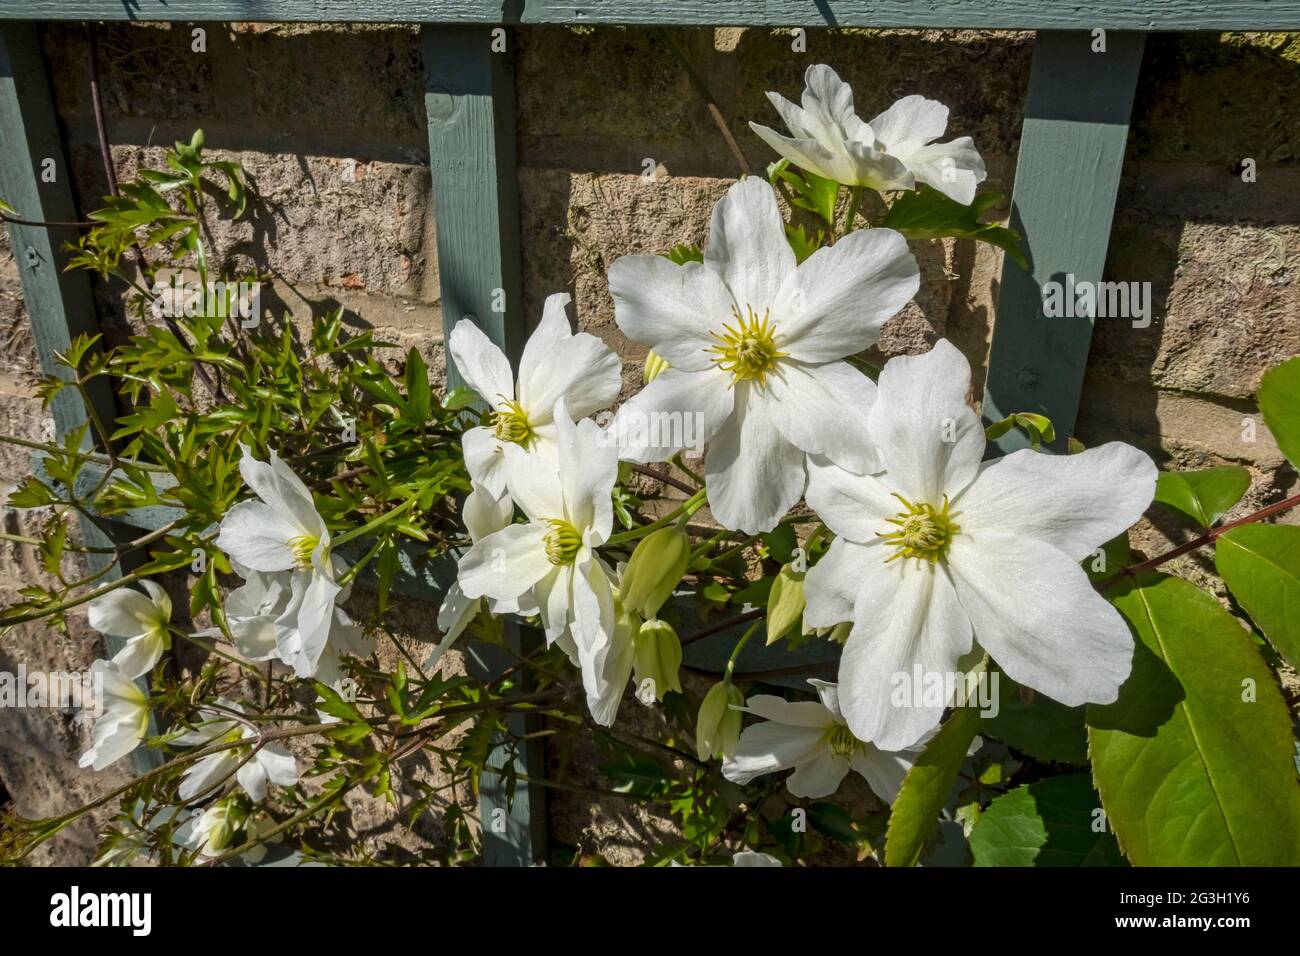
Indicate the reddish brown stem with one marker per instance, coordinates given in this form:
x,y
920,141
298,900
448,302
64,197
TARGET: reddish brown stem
x,y
1201,541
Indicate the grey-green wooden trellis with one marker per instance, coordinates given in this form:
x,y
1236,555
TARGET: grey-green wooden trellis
x,y
1067,175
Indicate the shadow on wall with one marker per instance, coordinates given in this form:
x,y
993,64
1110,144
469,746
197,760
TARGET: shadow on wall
x,y
1221,255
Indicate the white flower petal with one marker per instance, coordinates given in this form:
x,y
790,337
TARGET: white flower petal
x,y
838,299
670,308
303,630
799,713
252,777
256,535
160,598
557,364
483,513
484,459
1075,503
505,564
819,777
588,470
481,363
768,747
206,772
675,411
955,168
123,612
857,507
917,629
929,438
280,767
883,770
139,654
753,474
1036,613
832,585
534,483
748,247
910,122
822,410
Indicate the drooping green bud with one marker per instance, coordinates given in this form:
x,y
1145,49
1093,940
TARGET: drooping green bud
x,y
718,726
658,658
655,568
655,365
785,603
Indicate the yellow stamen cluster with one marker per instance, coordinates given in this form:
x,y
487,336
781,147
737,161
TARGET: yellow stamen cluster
x,y
924,531
841,741
561,542
511,424
302,548
746,348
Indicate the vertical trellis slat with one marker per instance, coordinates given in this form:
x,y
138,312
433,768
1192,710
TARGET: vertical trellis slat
x,y
469,101
36,180
1067,174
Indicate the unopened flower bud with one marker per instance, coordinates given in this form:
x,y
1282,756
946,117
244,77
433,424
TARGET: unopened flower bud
x,y
785,603
718,726
655,568
658,657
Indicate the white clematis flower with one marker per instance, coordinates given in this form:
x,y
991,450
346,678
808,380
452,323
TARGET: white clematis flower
x,y
270,764
756,345
124,721
257,620
940,551
551,560
812,737
141,619
556,364
284,532
896,150
482,515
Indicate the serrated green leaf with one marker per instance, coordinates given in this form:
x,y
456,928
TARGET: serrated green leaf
x,y
1279,401
1260,564
1049,823
682,253
1194,760
1205,495
926,788
929,214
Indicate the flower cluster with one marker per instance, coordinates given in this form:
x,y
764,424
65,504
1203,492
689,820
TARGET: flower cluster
x,y
930,541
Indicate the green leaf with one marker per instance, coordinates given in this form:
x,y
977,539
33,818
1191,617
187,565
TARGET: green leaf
x,y
1039,428
1202,495
802,244
462,396
929,214
1043,728
1279,401
1194,760
1260,563
418,392
927,786
1049,823
809,191
681,254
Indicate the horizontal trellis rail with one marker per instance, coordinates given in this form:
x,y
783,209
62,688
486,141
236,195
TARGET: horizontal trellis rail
x,y
1067,175
981,14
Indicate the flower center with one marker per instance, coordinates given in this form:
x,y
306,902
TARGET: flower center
x,y
924,531
562,542
747,347
302,548
841,741
512,424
